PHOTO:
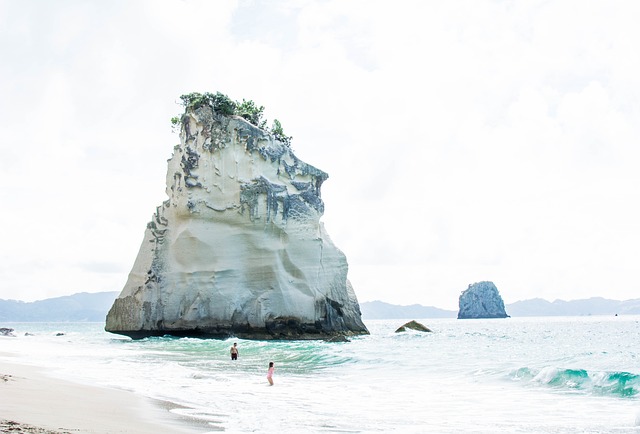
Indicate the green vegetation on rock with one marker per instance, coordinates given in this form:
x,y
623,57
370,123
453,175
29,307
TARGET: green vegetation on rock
x,y
278,133
222,104
251,112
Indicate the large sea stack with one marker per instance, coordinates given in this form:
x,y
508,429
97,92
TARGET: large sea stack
x,y
238,249
481,300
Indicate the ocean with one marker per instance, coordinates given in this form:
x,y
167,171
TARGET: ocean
x,y
513,375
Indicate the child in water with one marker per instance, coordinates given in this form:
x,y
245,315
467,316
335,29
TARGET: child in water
x,y
270,373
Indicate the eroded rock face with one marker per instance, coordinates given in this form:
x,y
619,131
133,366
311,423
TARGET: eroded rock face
x,y
238,248
481,300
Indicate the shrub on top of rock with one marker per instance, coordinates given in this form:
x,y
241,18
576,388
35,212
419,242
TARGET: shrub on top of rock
x,y
222,104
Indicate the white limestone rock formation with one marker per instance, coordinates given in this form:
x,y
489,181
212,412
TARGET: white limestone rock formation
x,y
238,249
481,300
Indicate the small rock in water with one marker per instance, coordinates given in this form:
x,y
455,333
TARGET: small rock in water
x,y
413,325
6,332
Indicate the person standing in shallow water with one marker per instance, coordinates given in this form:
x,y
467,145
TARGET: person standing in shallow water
x,y
270,373
234,351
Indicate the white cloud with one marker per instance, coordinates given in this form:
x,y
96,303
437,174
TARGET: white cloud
x,y
465,141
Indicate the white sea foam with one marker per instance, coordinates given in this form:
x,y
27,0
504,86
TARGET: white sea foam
x,y
546,375
542,375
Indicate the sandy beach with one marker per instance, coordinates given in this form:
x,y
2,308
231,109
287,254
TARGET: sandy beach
x,y
32,402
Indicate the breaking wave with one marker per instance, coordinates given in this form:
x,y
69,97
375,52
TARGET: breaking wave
x,y
619,384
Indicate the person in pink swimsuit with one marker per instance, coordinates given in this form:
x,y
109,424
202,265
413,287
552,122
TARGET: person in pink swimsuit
x,y
270,373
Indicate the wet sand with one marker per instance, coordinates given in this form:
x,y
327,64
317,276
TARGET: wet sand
x,y
32,402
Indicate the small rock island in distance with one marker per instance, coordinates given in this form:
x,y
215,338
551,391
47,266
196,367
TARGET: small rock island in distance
x,y
481,300
238,249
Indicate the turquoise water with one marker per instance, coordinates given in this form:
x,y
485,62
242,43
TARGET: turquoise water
x,y
525,375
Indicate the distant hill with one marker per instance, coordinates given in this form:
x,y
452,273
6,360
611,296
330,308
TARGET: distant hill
x,y
92,307
73,308
533,307
381,310
590,306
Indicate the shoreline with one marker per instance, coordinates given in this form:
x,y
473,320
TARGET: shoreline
x,y
32,402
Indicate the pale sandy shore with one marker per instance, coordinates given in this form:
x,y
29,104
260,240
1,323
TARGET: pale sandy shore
x,y
32,402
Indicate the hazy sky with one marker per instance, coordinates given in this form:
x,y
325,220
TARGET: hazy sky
x,y
464,140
